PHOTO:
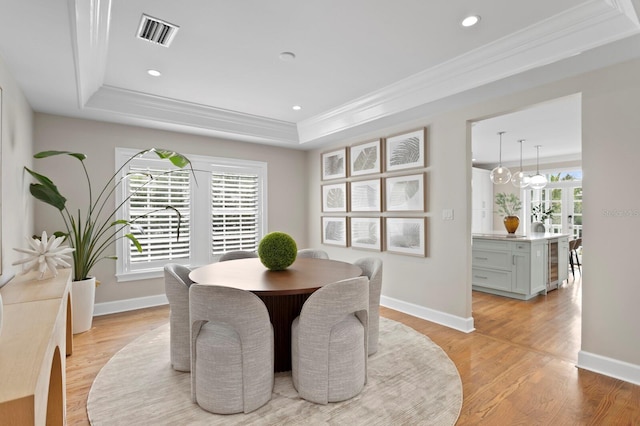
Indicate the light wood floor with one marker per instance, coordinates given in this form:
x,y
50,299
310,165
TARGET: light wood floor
x,y
517,368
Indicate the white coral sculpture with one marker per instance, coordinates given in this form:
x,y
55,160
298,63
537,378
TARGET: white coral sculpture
x,y
45,253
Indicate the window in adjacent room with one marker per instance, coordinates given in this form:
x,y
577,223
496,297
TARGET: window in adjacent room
x,y
222,208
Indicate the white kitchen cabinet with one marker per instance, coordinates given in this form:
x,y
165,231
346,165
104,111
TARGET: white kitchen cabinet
x,y
520,267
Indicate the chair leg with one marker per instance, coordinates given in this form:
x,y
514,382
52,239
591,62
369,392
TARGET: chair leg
x,y
577,261
571,263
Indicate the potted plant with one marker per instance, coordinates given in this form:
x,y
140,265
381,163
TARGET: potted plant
x,y
539,217
508,206
92,231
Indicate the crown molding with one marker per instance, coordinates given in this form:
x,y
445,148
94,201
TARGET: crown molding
x,y
581,28
90,26
90,40
219,121
586,26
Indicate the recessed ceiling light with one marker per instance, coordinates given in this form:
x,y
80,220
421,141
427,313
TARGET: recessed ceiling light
x,y
154,73
296,107
287,56
470,21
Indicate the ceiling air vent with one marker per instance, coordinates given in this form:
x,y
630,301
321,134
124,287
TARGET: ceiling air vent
x,y
157,31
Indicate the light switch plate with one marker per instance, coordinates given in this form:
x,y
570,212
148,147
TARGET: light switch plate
x,y
447,214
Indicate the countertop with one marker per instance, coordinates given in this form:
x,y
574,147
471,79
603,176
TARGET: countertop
x,y
502,235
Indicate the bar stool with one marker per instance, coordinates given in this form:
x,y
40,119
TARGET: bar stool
x,y
574,260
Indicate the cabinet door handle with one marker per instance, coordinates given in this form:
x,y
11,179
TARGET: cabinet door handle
x,y
513,259
480,277
481,258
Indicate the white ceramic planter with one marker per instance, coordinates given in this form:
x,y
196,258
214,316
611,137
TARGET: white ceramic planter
x,y
82,300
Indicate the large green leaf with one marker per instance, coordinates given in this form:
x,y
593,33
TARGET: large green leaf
x,y
176,158
135,242
45,154
46,191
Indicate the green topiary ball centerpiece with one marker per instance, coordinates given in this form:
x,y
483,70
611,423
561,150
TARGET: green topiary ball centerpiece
x,y
277,251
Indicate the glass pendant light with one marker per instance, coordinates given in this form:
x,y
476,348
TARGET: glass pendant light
x,y
538,181
500,175
520,180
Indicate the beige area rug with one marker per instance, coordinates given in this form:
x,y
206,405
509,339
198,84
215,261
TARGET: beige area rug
x,y
411,381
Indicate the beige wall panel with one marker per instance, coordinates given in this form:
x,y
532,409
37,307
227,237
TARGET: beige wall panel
x,y
286,196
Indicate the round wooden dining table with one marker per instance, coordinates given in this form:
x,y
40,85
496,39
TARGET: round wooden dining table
x,y
283,292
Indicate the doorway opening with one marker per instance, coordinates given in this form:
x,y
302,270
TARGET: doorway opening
x,y
556,127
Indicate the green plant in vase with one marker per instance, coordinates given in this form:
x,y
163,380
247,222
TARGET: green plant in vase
x,y
539,216
90,232
508,206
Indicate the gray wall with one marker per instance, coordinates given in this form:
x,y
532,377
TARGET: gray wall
x,y
442,280
17,147
286,197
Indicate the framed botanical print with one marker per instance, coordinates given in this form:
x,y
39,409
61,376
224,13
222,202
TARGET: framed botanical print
x,y
406,151
405,193
406,235
334,231
366,233
365,158
334,198
366,196
334,164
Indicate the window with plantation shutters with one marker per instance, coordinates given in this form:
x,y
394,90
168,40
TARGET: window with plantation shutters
x,y
163,234
235,209
222,206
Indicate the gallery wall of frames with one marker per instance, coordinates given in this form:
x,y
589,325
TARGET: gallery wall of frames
x,y
374,195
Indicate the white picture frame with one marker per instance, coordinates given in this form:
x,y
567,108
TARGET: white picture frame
x,y
366,195
334,164
406,235
365,158
334,198
366,233
406,151
335,231
405,193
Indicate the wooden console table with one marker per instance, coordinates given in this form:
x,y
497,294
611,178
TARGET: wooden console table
x,y
35,338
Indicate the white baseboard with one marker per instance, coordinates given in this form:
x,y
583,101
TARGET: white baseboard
x,y
106,308
448,320
609,367
458,323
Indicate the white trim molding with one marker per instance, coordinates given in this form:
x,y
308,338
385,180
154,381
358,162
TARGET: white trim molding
x,y
590,24
457,323
223,122
609,367
584,27
90,22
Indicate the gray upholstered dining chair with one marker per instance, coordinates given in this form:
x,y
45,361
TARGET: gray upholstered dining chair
x,y
237,254
176,286
232,350
329,342
313,253
372,268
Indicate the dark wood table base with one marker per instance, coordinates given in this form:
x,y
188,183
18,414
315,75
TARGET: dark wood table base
x,y
282,311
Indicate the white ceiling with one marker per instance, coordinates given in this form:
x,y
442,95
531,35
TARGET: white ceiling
x,y
359,63
555,126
